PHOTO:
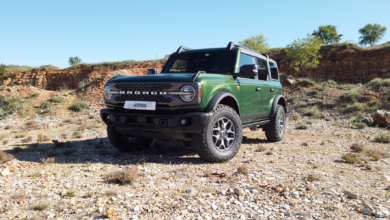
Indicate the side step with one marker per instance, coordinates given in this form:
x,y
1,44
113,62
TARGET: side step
x,y
255,124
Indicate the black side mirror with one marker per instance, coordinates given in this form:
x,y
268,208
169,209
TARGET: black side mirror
x,y
249,70
151,71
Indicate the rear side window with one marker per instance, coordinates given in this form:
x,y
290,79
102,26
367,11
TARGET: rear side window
x,y
246,60
274,71
262,69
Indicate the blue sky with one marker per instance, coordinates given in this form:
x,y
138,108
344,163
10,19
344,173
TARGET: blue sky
x,y
41,32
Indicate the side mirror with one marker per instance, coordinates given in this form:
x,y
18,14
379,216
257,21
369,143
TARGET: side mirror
x,y
247,71
151,71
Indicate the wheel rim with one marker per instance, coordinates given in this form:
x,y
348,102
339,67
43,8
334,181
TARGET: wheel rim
x,y
224,134
281,123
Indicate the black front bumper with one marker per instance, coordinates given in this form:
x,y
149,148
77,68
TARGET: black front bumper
x,y
151,125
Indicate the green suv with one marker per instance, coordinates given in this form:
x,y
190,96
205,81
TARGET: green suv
x,y
205,96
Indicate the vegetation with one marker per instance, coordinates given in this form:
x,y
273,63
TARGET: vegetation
x,y
74,61
305,82
45,105
40,205
71,193
10,105
4,157
371,33
303,53
360,125
261,148
57,99
328,34
3,71
350,158
257,42
301,126
78,106
127,176
355,107
377,157
243,169
383,138
357,147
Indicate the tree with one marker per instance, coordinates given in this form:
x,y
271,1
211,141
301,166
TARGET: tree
x,y
371,34
303,54
257,42
74,61
328,34
3,70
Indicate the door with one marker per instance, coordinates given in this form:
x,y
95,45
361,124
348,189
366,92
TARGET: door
x,y
250,93
268,88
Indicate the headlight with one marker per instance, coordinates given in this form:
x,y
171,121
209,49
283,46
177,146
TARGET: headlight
x,y
190,93
107,92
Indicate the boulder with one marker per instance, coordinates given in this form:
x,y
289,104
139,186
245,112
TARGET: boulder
x,y
382,118
289,80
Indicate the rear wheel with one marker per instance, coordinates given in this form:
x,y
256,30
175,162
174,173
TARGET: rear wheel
x,y
277,125
126,143
221,139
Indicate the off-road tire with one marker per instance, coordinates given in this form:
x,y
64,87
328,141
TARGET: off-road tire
x,y
272,130
120,142
203,142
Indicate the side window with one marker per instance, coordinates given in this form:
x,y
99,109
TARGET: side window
x,y
262,69
179,65
246,60
274,71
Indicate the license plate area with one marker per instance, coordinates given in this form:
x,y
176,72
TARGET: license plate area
x,y
140,105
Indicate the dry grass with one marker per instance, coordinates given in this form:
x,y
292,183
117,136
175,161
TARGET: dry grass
x,y
42,138
350,158
377,157
312,178
27,139
40,205
357,147
301,126
207,172
295,117
127,176
243,169
4,157
48,160
5,142
383,138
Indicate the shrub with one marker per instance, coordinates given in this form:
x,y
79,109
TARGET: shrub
x,y
357,147
353,95
91,116
301,126
9,105
40,205
58,99
243,169
375,84
110,193
360,125
355,107
35,95
49,160
78,106
77,134
386,82
350,158
27,139
305,82
42,138
377,157
312,178
4,157
45,105
59,144
314,93
123,177
309,122
311,112
74,61
70,193
372,151
383,138
269,153
295,117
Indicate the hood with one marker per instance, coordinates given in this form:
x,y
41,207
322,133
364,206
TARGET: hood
x,y
165,77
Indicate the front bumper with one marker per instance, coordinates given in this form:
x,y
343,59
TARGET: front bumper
x,y
152,125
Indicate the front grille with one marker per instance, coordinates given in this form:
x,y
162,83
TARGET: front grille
x,y
156,98
143,86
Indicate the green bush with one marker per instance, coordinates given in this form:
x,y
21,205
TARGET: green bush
x,y
314,93
305,82
356,107
10,105
353,95
45,105
350,158
331,103
78,106
301,126
360,125
35,95
311,112
373,103
58,99
383,138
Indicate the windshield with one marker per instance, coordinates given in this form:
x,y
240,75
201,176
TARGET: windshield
x,y
210,62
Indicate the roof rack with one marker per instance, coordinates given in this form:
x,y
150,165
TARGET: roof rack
x,y
181,48
232,44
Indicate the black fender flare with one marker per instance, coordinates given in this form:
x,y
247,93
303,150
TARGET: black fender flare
x,y
275,103
217,98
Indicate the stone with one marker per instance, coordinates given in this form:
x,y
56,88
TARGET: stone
x,y
289,80
301,217
295,194
382,118
388,187
366,119
278,189
239,192
5,172
191,192
213,206
358,209
134,217
350,195
367,211
382,213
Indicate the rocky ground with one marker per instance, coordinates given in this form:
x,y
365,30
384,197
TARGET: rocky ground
x,y
301,177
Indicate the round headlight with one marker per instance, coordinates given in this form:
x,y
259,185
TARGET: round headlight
x,y
190,93
107,89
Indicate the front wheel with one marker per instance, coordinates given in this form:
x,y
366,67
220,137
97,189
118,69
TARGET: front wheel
x,y
277,125
221,139
125,143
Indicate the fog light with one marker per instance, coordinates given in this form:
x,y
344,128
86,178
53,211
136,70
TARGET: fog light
x,y
108,117
183,121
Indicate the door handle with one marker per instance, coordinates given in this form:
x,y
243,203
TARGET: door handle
x,y
258,89
272,90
